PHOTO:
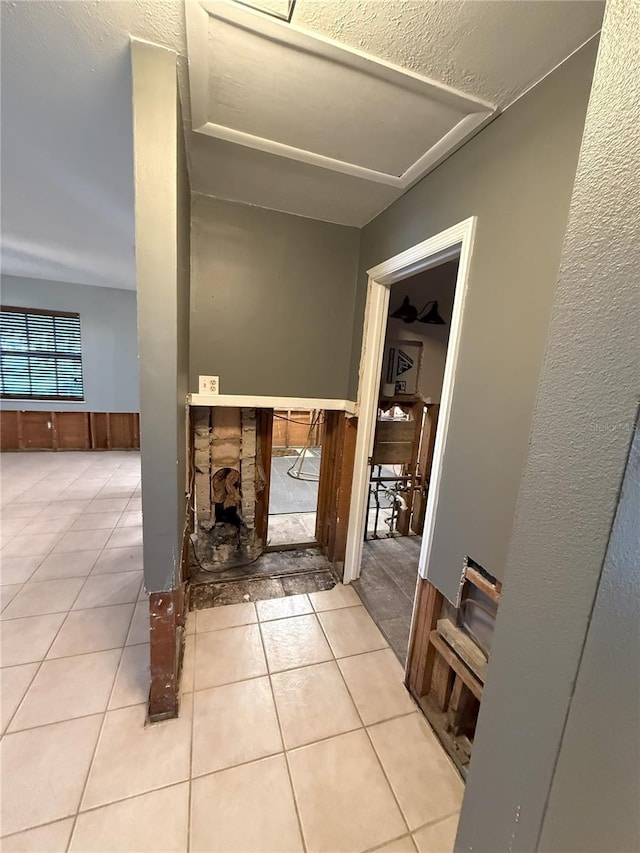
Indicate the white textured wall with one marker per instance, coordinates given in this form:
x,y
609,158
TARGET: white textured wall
x,y
582,429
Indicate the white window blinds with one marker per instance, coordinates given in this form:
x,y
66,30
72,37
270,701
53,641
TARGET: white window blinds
x,y
40,355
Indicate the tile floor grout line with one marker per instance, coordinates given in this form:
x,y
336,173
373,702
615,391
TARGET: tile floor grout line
x,y
98,739
78,654
98,807
368,736
78,609
296,805
437,820
65,657
193,717
40,664
391,841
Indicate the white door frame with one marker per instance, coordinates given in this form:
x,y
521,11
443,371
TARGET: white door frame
x,y
455,241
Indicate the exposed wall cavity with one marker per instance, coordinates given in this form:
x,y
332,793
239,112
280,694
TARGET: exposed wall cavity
x,y
228,480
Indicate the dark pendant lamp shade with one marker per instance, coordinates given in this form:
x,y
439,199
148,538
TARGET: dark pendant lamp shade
x,y
406,312
433,316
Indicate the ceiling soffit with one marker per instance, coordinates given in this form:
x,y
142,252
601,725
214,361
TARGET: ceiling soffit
x,y
267,85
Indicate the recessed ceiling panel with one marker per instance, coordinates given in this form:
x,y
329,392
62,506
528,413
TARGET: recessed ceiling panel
x,y
267,85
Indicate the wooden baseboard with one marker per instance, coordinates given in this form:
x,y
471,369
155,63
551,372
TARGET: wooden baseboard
x,y
69,431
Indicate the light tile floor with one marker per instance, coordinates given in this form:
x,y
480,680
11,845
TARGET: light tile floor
x,y
295,732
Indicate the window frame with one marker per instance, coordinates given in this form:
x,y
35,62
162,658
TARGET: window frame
x,y
55,354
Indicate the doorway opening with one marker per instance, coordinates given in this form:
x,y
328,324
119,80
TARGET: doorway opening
x,y
410,346
410,389
295,475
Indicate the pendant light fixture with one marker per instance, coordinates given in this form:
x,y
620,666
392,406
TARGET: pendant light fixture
x,y
433,315
408,313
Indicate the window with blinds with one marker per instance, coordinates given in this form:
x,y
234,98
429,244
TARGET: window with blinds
x,y
40,355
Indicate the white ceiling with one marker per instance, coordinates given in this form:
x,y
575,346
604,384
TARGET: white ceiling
x,y
67,182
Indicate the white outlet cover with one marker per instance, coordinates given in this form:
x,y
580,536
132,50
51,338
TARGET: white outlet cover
x,y
209,384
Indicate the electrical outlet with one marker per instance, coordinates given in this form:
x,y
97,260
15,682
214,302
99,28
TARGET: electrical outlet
x,y
209,384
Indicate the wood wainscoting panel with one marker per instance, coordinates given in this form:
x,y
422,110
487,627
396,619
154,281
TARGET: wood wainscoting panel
x,y
9,434
69,430
36,431
99,422
73,430
124,430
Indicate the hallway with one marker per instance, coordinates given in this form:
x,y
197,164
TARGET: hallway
x,y
295,731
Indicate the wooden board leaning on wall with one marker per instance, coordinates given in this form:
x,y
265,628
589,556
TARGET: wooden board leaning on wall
x,y
69,430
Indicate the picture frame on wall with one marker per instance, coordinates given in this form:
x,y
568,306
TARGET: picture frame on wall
x,y
401,366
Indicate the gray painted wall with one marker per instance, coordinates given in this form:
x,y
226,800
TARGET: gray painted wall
x,y
516,177
109,342
580,439
162,270
272,300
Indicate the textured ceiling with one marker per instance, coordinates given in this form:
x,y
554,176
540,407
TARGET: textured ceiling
x,y
67,174
494,49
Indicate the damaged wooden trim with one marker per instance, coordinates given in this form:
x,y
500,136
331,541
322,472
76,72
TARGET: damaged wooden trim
x,y
166,629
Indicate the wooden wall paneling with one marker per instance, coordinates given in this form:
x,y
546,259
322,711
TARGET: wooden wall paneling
x,y
421,655
121,430
265,427
326,483
36,431
9,438
72,431
69,430
291,428
334,490
345,481
98,423
54,429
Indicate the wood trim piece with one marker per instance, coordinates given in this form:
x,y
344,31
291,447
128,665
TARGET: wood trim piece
x,y
20,434
425,460
250,401
428,609
167,614
264,428
54,431
456,664
493,591
334,489
468,651
345,479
